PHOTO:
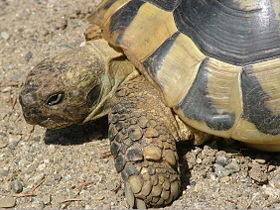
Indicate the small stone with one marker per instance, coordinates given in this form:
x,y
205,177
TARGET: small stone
x,y
98,198
3,144
28,56
17,186
136,183
152,153
29,158
60,24
5,35
13,142
275,181
39,177
258,173
198,161
222,160
7,202
6,89
4,172
42,166
37,204
233,166
220,171
46,199
225,179
57,177
260,160
271,168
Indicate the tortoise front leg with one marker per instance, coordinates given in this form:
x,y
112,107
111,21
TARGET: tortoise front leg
x,y
143,134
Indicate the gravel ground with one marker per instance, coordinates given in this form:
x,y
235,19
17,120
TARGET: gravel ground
x,y
72,167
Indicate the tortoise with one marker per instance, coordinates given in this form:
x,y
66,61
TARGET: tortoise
x,y
165,71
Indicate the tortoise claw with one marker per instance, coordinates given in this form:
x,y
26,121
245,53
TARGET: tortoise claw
x,y
140,204
129,195
131,200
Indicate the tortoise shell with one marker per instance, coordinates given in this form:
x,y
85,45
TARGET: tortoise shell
x,y
217,62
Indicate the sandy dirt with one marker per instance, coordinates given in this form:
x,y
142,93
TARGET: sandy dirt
x,y
72,167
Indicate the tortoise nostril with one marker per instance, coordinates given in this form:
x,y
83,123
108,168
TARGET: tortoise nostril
x,y
26,99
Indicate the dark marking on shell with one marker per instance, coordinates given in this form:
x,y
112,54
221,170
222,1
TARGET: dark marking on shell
x,y
197,104
153,63
254,108
124,16
109,4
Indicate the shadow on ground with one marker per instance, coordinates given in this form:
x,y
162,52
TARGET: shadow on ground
x,y
78,134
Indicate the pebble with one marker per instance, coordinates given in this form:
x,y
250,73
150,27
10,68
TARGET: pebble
x,y
13,142
233,166
222,160
7,202
275,181
17,186
221,171
198,161
225,179
5,35
60,24
4,172
258,174
98,198
38,204
3,144
46,199
42,166
260,160
28,56
6,89
39,177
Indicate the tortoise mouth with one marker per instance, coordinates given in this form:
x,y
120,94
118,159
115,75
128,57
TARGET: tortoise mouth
x,y
51,124
35,117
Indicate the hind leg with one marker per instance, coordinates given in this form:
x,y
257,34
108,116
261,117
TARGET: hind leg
x,y
143,134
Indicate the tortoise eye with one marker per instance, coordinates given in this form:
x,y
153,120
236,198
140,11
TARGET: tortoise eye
x,y
55,99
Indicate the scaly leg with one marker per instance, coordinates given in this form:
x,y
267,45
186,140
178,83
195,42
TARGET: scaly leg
x,y
143,134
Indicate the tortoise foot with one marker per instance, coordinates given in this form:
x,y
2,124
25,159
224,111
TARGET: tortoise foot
x,y
143,142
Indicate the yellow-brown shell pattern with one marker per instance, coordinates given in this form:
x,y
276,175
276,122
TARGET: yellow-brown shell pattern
x,y
216,61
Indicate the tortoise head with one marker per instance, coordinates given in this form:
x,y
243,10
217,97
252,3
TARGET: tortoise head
x,y
65,89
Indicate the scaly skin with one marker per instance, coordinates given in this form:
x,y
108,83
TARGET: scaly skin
x,y
143,134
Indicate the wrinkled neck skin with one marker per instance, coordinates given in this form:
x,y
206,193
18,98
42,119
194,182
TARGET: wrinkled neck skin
x,y
118,70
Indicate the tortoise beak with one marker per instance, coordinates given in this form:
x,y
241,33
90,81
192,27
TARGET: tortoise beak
x,y
31,110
